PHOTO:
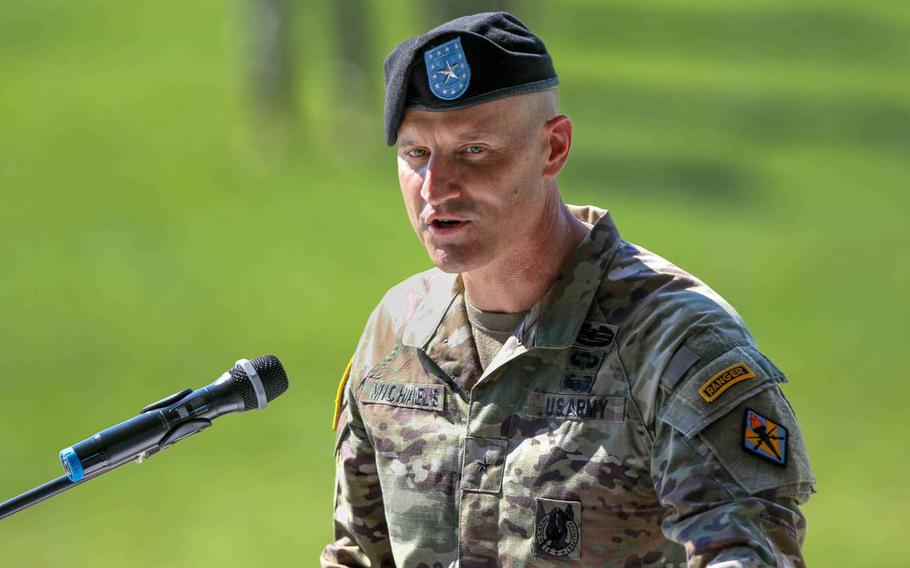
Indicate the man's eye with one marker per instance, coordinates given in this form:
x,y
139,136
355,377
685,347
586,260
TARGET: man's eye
x,y
473,149
417,153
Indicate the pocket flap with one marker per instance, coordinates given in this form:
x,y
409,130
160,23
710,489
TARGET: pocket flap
x,y
717,388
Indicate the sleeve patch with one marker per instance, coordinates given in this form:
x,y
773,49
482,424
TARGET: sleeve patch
x,y
765,438
725,379
759,443
339,395
716,388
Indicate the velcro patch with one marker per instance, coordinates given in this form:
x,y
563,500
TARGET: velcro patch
x,y
576,407
595,334
422,396
484,464
581,370
577,383
584,360
764,438
725,379
557,528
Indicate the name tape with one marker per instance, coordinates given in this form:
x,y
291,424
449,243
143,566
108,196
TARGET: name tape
x,y
409,395
572,407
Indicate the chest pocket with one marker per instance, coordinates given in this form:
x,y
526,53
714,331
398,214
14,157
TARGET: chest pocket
x,y
409,418
588,445
398,387
589,415
401,413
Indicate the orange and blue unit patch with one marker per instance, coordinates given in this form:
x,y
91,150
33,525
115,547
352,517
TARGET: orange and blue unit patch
x,y
765,438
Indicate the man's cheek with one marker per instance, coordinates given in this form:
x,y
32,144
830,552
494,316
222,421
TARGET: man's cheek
x,y
414,210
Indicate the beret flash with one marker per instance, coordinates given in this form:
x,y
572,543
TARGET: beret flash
x,y
464,62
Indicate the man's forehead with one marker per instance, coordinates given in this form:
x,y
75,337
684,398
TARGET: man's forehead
x,y
494,119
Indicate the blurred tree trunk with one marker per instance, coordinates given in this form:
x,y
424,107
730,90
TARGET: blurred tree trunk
x,y
352,49
271,69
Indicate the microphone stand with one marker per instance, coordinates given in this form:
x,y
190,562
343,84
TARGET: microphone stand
x,y
48,490
61,484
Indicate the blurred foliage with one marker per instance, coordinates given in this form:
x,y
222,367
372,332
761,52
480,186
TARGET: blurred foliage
x,y
149,237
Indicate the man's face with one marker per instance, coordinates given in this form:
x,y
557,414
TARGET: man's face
x,y
472,179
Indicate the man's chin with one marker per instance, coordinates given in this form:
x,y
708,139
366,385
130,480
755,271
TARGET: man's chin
x,y
452,260
447,265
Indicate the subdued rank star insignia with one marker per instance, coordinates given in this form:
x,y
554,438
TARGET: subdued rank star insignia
x,y
483,466
765,438
449,72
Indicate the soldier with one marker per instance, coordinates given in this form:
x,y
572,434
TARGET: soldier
x,y
549,394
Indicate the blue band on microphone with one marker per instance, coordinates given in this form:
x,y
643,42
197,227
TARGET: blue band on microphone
x,y
71,464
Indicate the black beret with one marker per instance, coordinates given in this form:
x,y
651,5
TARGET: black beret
x,y
473,59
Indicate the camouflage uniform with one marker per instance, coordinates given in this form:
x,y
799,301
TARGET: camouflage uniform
x,y
608,431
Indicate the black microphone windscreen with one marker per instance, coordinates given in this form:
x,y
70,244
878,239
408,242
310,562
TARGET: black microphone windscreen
x,y
271,373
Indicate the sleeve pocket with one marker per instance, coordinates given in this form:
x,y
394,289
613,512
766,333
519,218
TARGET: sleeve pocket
x,y
739,454
716,388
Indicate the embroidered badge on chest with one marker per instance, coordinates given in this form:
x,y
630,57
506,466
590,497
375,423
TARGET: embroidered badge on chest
x,y
581,370
595,334
448,72
765,438
557,530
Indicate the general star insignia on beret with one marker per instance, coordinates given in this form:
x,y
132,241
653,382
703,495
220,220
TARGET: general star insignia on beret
x,y
765,438
448,72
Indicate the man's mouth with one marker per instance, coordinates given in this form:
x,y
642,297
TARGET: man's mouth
x,y
446,223
443,226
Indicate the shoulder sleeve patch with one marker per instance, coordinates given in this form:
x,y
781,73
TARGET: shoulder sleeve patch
x,y
760,444
717,387
339,395
725,379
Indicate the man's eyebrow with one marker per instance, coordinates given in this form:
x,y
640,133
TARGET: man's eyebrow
x,y
469,136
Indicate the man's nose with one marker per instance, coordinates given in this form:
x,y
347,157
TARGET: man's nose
x,y
440,182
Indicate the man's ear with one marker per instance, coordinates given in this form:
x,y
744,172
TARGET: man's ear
x,y
557,144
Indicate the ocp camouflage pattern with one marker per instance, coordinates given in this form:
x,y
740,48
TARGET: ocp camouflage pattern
x,y
585,442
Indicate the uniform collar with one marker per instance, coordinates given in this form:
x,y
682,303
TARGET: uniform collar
x,y
555,320
564,306
442,289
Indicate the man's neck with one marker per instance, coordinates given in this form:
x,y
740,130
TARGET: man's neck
x,y
516,283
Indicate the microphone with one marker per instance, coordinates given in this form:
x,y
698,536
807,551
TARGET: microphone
x,y
250,384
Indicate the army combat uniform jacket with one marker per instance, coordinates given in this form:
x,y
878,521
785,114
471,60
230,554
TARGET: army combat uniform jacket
x,y
630,420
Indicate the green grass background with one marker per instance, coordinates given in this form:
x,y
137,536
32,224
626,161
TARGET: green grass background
x,y
147,242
